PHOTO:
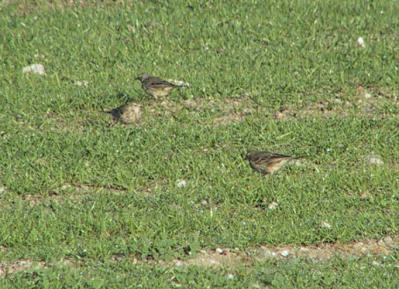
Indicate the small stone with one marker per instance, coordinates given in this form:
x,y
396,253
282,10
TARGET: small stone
x,y
38,56
181,183
272,205
367,95
374,159
298,163
304,249
64,187
268,253
284,253
279,115
213,261
375,263
389,241
360,42
81,83
35,68
230,276
219,250
365,195
325,225
2,189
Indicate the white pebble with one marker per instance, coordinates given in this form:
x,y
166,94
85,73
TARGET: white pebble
x,y
375,263
268,253
2,189
360,41
212,261
81,83
229,276
284,253
326,225
181,183
374,159
367,95
219,250
272,205
35,68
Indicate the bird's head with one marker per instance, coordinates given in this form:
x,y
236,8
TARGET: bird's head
x,y
142,76
250,154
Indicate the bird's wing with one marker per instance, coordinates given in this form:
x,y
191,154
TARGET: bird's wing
x,y
159,82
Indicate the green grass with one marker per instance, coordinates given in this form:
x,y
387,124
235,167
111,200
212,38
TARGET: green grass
x,y
77,188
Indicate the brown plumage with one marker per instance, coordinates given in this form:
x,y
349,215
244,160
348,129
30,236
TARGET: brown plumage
x,y
155,86
265,162
128,113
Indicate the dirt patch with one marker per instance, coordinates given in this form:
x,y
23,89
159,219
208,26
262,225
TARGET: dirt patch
x,y
319,109
367,101
216,258
79,191
227,119
25,265
20,265
227,110
86,188
230,258
371,101
322,252
325,251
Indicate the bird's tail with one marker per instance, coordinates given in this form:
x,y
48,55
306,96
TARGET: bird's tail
x,y
298,157
112,112
179,83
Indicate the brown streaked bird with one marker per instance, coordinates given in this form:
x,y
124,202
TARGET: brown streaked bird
x,y
155,86
128,113
265,162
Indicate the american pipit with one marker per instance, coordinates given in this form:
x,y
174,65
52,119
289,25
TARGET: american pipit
x,y
128,113
155,86
266,162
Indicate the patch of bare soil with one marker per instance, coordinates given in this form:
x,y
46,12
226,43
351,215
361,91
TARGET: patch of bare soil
x,y
26,265
320,109
321,252
371,101
78,191
368,102
227,110
20,265
230,258
85,189
227,119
